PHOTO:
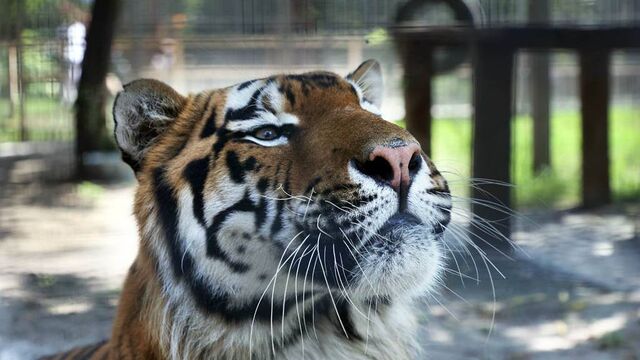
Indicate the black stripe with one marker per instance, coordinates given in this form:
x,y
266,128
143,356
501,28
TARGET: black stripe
x,y
313,184
438,191
129,160
246,84
167,208
267,106
237,168
225,136
320,309
288,93
196,174
221,304
347,263
210,126
318,80
262,185
213,302
246,112
323,80
277,221
345,316
213,247
261,212
276,226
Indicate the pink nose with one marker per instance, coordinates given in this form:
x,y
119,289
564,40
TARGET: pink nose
x,y
393,165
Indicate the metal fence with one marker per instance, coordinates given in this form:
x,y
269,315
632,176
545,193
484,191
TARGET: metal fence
x,y
210,43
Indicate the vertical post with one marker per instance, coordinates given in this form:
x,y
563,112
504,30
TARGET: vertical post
x,y
14,93
492,100
594,97
540,91
16,67
540,110
417,62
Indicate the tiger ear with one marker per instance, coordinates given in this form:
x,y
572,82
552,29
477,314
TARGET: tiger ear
x,y
368,77
142,112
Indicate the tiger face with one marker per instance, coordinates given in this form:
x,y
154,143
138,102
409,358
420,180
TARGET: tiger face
x,y
279,192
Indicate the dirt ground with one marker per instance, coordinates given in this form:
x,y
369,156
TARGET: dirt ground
x,y
571,291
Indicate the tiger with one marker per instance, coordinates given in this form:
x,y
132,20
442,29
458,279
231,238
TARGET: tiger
x,y
279,218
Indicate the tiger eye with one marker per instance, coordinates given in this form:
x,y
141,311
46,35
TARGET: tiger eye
x,y
267,133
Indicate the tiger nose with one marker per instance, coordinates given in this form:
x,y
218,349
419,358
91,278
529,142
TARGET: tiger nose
x,y
394,166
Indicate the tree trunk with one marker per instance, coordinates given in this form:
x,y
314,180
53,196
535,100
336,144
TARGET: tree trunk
x,y
91,134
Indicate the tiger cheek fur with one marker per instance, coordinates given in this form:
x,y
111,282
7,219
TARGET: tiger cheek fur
x,y
272,211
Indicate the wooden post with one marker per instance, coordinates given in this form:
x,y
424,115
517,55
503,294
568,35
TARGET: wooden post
x,y
492,100
540,91
540,110
594,97
418,72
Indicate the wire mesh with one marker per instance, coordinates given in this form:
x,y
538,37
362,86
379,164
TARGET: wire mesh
x,y
195,45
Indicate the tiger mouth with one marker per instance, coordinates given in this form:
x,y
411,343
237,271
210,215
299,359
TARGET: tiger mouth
x,y
338,225
389,234
394,230
358,244
403,220
399,220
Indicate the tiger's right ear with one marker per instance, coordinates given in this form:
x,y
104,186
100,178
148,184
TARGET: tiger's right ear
x,y
142,112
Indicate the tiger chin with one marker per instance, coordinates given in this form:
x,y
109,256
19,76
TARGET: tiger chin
x,y
280,218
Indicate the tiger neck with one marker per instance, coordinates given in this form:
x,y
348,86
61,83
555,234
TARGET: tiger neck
x,y
165,327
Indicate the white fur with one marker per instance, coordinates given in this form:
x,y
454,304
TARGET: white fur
x,y
239,98
368,85
370,107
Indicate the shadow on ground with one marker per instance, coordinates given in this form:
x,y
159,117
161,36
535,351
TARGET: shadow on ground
x,y
575,295
539,310
48,310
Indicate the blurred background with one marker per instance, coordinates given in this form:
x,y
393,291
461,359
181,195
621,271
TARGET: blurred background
x,y
531,109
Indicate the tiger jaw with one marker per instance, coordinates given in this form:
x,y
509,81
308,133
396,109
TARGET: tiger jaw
x,y
402,262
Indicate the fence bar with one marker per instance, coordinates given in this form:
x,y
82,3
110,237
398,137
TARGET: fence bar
x,y
493,84
594,97
418,73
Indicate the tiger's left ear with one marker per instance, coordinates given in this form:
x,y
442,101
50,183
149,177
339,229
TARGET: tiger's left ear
x,y
368,78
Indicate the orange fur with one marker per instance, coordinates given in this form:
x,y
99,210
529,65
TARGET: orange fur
x,y
346,131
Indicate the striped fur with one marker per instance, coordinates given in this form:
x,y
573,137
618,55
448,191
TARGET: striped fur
x,y
267,229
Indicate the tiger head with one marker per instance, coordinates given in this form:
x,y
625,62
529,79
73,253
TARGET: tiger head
x,y
281,190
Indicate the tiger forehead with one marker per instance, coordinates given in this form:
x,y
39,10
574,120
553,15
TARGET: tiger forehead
x,y
271,98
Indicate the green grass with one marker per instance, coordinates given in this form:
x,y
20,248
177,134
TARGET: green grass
x,y
45,119
558,186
